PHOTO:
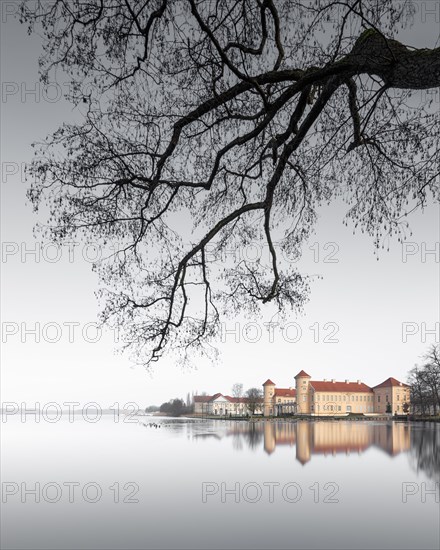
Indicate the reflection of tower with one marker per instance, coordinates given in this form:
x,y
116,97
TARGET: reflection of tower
x,y
269,437
393,438
269,390
303,441
302,392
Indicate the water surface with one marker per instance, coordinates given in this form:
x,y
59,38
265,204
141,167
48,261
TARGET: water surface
x,y
189,483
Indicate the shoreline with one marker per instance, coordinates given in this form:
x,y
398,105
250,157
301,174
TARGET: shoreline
x,y
354,418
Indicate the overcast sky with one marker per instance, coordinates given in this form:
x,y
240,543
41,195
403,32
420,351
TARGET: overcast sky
x,y
359,306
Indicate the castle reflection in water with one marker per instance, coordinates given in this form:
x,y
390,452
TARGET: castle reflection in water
x,y
325,438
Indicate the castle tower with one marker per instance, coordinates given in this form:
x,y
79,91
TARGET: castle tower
x,y
269,399
302,380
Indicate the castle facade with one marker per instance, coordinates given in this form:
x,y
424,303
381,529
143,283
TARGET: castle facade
x,y
329,397
312,397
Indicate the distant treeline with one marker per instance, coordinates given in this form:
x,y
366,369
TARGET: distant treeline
x,y
152,409
174,407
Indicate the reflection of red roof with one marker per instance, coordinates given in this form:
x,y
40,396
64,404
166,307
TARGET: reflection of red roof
x,y
268,383
341,448
285,440
391,382
285,392
346,387
302,373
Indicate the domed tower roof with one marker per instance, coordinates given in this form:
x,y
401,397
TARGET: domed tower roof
x,y
269,383
302,374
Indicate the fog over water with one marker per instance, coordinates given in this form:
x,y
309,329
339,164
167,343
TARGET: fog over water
x,y
192,483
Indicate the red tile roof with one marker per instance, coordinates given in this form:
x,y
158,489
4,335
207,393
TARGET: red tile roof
x,y
391,382
234,399
269,383
202,398
319,385
216,395
285,392
242,399
302,373
207,398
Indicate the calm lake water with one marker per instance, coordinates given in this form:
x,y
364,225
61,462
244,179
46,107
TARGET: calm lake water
x,y
211,484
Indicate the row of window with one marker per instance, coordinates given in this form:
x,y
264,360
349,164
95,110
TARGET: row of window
x,y
334,408
387,399
229,407
319,397
398,409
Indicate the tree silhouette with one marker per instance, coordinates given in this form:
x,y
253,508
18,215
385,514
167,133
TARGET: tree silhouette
x,y
212,124
254,397
237,390
425,383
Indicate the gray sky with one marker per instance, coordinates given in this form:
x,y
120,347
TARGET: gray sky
x,y
360,304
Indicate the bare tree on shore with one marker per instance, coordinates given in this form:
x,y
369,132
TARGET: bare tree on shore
x,y
254,398
237,390
425,383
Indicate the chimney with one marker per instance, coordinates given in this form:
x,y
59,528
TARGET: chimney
x,y
333,380
346,381
400,383
325,380
358,381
